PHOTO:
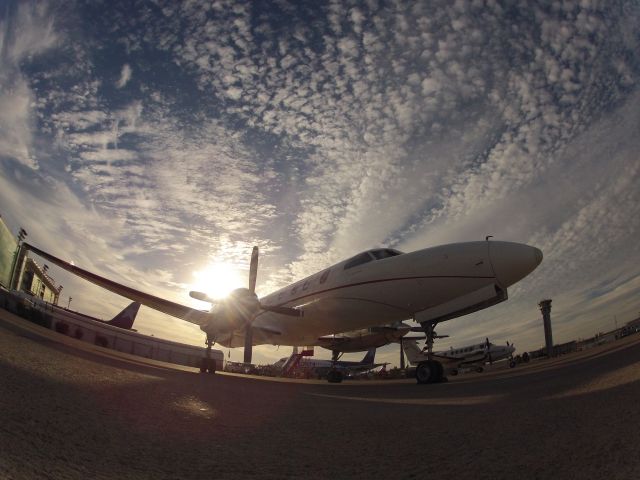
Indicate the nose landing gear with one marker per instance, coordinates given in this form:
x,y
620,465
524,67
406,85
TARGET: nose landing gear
x,y
430,371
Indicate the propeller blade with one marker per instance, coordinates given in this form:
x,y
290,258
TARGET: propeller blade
x,y
248,344
417,329
201,296
293,312
253,270
402,365
488,346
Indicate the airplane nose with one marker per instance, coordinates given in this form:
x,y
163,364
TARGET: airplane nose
x,y
513,261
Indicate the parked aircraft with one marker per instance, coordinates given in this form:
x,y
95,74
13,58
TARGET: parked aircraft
x,y
375,287
366,338
332,370
471,356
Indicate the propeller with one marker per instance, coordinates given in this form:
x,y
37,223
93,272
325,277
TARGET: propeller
x,y
402,365
248,332
488,347
243,306
423,330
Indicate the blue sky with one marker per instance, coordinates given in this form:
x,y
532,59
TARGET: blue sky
x,y
144,140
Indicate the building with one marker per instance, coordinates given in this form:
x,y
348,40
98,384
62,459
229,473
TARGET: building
x,y
35,280
88,329
25,272
8,249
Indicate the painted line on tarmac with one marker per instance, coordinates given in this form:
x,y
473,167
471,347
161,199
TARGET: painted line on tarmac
x,y
455,401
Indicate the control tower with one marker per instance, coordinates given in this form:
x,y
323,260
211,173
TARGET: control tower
x,y
545,308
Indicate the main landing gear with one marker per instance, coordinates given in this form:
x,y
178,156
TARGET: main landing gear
x,y
334,375
430,371
208,364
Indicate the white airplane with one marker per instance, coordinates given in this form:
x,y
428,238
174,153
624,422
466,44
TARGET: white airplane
x,y
470,356
332,370
365,338
375,287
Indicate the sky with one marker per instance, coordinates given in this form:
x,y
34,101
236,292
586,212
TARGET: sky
x,y
146,141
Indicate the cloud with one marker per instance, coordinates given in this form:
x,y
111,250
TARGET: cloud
x,y
109,155
23,35
125,76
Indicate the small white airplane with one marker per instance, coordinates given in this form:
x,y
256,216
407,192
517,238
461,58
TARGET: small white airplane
x,y
365,338
332,370
375,287
471,356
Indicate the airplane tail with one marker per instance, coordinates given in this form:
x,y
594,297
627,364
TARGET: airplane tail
x,y
126,317
413,352
370,356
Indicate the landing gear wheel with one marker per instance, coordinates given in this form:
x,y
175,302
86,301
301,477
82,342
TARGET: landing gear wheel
x,y
512,364
429,371
208,365
212,366
334,376
454,372
480,369
439,371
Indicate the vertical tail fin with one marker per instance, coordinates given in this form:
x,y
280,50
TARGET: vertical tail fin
x,y
370,356
126,317
413,352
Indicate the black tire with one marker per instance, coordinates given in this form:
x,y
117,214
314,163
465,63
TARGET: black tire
x,y
425,372
480,369
334,376
439,370
512,364
203,365
454,372
212,366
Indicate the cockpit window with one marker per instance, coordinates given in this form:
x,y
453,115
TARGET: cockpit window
x,y
358,260
384,253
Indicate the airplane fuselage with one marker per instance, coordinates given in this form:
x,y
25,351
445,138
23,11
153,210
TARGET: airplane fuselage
x,y
363,291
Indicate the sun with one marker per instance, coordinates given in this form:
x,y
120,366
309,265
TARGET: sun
x,y
218,279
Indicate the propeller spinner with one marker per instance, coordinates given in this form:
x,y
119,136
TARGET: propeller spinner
x,y
242,306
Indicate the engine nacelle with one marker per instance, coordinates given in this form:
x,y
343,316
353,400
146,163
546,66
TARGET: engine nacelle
x,y
233,313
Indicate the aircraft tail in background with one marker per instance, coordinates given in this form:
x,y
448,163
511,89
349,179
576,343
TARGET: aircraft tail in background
x,y
413,352
126,317
369,357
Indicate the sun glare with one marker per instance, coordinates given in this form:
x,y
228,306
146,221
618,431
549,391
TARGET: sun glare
x,y
218,279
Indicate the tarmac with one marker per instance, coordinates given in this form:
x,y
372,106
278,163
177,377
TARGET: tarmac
x,y
71,410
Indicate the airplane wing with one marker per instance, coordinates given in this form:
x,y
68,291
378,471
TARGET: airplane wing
x,y
361,367
329,341
166,306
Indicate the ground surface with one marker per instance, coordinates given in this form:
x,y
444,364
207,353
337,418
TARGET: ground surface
x,y
72,411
